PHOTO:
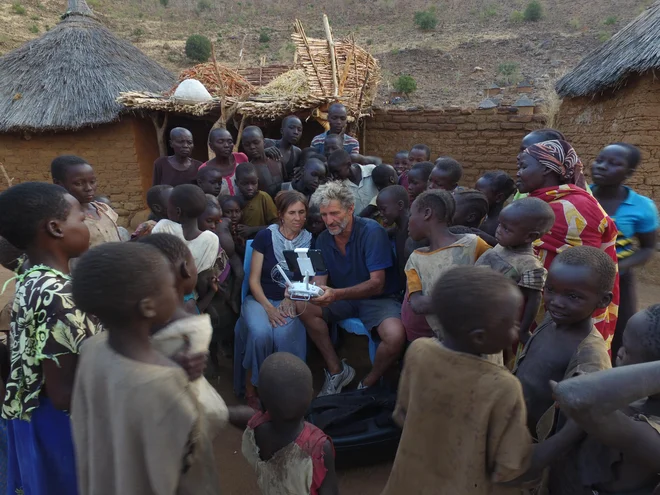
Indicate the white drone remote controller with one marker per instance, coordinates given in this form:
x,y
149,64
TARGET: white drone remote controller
x,y
302,291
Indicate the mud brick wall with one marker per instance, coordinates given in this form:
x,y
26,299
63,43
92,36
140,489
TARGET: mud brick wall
x,y
631,114
481,140
122,155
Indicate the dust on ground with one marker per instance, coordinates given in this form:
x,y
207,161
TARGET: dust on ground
x,y
238,478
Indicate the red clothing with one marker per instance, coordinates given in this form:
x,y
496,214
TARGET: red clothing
x,y
311,440
403,180
416,325
580,221
229,182
164,173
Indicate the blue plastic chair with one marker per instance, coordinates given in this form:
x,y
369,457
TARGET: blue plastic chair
x,y
355,326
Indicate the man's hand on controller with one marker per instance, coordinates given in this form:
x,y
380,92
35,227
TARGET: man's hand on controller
x,y
329,296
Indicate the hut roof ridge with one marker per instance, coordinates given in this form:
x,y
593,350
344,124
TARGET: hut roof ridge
x,y
634,49
70,77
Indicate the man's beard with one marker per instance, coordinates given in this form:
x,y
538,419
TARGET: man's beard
x,y
342,227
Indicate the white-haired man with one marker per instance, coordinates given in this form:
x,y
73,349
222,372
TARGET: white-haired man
x,y
360,262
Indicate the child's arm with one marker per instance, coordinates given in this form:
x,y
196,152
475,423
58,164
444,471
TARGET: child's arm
x,y
420,304
240,415
330,485
58,378
594,401
532,304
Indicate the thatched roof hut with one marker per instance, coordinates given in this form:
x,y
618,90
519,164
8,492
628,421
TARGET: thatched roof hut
x,y
70,77
633,50
614,95
58,96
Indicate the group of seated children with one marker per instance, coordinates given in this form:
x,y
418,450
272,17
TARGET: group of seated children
x,y
475,300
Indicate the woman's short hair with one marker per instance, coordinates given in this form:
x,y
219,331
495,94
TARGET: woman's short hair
x,y
333,191
285,199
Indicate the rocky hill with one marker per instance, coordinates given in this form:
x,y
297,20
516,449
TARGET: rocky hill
x,y
474,43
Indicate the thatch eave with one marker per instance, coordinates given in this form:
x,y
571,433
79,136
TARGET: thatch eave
x,y
633,50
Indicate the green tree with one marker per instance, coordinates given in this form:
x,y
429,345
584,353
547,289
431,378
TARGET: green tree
x,y
198,48
426,20
405,84
533,11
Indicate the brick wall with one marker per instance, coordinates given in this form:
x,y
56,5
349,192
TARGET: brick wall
x,y
631,114
481,140
119,164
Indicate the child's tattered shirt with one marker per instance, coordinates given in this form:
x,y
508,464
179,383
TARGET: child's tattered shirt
x,y
520,265
464,424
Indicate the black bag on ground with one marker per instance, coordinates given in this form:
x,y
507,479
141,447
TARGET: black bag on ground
x,y
359,423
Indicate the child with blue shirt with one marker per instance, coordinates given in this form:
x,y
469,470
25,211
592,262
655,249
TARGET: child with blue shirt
x,y
636,218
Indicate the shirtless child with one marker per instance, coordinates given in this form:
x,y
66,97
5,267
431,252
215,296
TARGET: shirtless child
x,y
270,172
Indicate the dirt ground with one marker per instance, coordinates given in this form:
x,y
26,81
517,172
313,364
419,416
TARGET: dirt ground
x,y
237,477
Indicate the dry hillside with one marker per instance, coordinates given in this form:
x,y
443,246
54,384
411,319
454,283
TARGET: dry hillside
x,y
473,42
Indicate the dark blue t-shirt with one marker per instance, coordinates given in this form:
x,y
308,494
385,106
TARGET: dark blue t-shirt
x,y
263,243
368,250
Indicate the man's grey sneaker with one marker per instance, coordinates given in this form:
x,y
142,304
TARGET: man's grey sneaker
x,y
335,383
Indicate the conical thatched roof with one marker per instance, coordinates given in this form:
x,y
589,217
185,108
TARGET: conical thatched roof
x,y
71,76
634,49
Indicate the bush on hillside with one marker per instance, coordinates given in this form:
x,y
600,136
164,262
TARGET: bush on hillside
x,y
405,84
533,11
426,20
164,3
508,73
264,37
198,48
516,17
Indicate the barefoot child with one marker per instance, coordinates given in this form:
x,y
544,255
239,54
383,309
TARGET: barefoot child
x,y
521,223
430,215
258,209
77,176
395,211
620,411
566,343
157,199
383,176
418,179
288,454
463,417
498,187
46,331
137,423
446,174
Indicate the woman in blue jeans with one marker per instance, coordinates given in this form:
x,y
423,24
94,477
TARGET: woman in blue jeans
x,y
268,320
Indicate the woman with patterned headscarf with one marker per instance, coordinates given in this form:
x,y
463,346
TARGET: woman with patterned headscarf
x,y
547,171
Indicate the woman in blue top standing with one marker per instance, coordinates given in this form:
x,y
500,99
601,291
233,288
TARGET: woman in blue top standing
x,y
636,218
268,320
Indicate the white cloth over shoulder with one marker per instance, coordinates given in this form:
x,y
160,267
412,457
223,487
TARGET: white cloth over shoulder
x,y
197,330
205,248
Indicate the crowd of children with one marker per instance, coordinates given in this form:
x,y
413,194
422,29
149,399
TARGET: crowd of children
x,y
509,307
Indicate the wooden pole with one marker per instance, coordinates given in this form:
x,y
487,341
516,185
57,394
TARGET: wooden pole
x,y
240,133
160,133
10,182
303,36
333,57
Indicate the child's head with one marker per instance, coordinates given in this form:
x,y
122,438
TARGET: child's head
x,y
641,340
419,153
339,165
337,118
292,129
247,180
211,217
384,175
221,142
446,174
497,186
209,179
315,173
158,197
430,209
418,179
179,256
580,280
471,208
392,203
253,142
478,309
401,162
232,208
9,255
186,201
615,164
541,136
315,224
76,176
332,143
105,285
285,387
38,217
524,221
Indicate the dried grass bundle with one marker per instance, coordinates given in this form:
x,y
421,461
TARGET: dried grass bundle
x,y
235,85
289,84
